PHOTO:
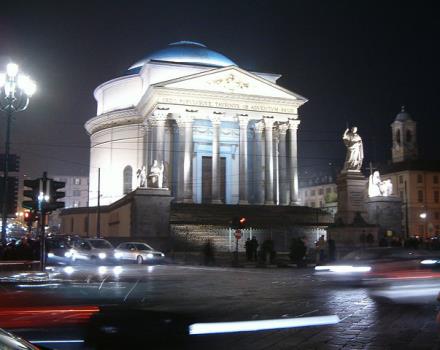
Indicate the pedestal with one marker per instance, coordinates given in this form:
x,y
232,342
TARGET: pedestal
x,y
386,212
351,196
150,212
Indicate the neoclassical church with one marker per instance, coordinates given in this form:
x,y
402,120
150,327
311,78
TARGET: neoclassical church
x,y
223,134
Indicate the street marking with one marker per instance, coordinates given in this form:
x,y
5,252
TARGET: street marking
x,y
251,326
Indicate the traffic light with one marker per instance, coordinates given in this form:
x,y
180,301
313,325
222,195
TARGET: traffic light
x,y
55,194
11,196
34,189
242,222
238,222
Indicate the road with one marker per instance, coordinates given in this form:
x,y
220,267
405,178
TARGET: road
x,y
136,298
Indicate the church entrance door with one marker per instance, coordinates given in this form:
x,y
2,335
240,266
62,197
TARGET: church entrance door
x,y
207,179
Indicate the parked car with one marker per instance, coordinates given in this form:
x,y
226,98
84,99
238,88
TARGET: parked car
x,y
138,252
91,249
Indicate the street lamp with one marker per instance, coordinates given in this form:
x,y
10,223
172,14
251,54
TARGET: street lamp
x,y
15,91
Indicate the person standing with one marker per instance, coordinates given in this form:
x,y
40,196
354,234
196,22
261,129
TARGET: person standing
x,y
254,249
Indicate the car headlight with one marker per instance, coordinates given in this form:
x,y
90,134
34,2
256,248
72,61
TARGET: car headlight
x,y
102,256
429,262
70,253
118,255
150,256
50,255
162,254
343,268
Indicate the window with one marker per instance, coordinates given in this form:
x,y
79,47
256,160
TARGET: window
x,y
77,181
321,191
321,204
436,197
328,190
435,179
408,136
400,179
312,192
398,137
419,178
76,193
128,179
420,196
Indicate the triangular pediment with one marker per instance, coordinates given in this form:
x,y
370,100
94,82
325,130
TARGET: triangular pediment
x,y
231,80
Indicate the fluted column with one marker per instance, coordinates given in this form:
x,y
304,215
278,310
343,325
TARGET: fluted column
x,y
243,158
216,167
179,149
259,165
276,179
282,165
185,124
293,161
268,132
158,123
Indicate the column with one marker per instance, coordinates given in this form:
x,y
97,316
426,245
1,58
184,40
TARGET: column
x,y
282,165
187,160
268,133
168,155
146,158
180,125
216,166
260,162
158,124
243,152
276,182
293,161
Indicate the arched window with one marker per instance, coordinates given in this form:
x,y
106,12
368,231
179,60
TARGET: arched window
x,y
408,136
398,136
128,179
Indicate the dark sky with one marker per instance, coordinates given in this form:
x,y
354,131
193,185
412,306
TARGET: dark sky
x,y
356,62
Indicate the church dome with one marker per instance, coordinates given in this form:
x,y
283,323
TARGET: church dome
x,y
186,52
403,115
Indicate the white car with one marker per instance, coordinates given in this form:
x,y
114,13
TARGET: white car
x,y
91,249
138,252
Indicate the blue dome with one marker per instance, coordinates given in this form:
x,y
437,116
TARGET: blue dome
x,y
403,115
188,52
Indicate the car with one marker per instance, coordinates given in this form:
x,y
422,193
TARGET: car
x,y
92,250
375,264
138,252
56,248
11,341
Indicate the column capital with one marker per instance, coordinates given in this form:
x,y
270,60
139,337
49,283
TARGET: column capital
x,y
282,128
216,117
184,119
268,122
259,127
293,124
243,120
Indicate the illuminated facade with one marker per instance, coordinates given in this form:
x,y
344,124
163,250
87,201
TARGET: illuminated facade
x,y
224,134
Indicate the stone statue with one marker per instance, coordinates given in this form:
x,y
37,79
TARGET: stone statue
x,y
377,187
142,176
355,150
155,177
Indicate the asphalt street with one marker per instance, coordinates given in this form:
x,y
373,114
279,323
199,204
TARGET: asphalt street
x,y
194,294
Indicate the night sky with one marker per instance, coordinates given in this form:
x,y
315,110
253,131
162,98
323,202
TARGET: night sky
x,y
356,61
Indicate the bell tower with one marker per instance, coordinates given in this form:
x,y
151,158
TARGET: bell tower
x,y
404,130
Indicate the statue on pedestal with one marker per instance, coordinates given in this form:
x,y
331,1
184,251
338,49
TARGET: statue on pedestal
x,y
155,177
142,176
355,150
377,187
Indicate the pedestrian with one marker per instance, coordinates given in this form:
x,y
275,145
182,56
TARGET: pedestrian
x,y
320,250
248,248
254,248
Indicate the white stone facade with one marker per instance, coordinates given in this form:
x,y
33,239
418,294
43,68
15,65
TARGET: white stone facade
x,y
190,114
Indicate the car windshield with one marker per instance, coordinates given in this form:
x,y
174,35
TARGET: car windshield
x,y
143,246
100,243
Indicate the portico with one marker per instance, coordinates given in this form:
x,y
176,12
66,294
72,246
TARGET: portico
x,y
224,135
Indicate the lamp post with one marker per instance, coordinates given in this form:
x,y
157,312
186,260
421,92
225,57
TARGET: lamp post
x,y
15,91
